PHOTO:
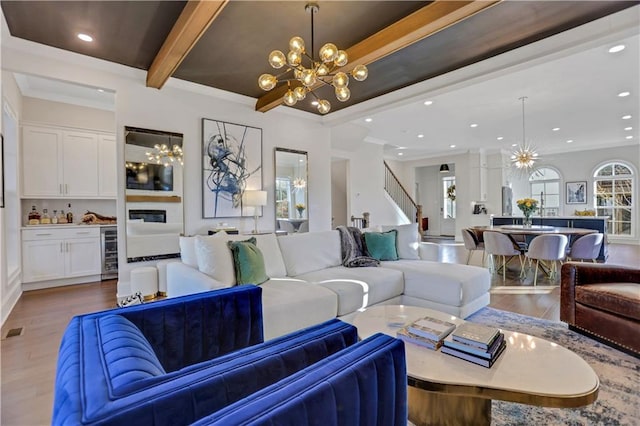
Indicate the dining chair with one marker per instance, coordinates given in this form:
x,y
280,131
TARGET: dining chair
x,y
547,248
586,247
499,244
471,243
304,227
287,226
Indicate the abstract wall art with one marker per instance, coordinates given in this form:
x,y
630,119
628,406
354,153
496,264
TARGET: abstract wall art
x,y
231,164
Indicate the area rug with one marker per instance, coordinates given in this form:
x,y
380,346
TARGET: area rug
x,y
618,400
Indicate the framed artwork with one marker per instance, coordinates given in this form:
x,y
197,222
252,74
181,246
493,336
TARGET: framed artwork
x,y
231,164
577,192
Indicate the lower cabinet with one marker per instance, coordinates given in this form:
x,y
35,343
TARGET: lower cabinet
x,y
52,254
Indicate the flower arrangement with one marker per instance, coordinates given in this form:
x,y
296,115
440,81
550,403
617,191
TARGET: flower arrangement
x,y
528,206
451,192
300,207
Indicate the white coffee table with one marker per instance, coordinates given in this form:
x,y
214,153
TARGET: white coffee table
x,y
446,390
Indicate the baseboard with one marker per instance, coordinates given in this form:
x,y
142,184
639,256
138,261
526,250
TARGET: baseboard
x,y
11,298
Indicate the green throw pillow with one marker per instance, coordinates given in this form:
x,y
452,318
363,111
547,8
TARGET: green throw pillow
x,y
382,245
248,262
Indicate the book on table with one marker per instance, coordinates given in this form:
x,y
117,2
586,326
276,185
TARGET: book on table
x,y
478,335
431,328
405,335
473,358
488,353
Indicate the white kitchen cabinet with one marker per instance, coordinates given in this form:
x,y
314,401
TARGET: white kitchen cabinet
x,y
107,174
63,163
52,254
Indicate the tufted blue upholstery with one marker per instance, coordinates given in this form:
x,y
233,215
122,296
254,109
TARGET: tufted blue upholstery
x,y
98,382
365,384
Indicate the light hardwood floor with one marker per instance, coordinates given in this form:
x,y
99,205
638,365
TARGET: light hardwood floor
x,y
29,360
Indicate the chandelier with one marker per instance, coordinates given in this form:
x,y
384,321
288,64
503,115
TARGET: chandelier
x,y
324,70
162,154
299,183
525,155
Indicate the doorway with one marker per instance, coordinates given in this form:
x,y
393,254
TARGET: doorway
x,y
339,193
448,206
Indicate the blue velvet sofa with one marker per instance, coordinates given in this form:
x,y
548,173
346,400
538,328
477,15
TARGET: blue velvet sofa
x,y
179,360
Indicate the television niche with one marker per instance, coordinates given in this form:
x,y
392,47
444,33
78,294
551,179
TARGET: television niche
x,y
149,177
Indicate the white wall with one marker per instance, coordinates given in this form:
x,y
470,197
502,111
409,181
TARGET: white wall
x,y
179,107
339,204
67,115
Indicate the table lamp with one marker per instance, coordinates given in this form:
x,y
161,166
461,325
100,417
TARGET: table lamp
x,y
254,198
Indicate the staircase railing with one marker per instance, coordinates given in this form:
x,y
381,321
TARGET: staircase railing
x,y
401,197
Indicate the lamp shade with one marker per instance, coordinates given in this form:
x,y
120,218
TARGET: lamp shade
x,y
254,198
444,168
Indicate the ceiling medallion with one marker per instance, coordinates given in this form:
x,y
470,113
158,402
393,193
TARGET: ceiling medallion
x,y
326,70
525,156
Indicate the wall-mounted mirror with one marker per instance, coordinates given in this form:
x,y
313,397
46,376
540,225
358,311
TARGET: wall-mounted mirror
x,y
291,198
154,207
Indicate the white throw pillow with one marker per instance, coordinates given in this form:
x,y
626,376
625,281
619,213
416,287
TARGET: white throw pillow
x,y
407,241
188,251
215,258
310,251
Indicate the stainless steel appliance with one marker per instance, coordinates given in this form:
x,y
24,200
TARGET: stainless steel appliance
x,y
109,240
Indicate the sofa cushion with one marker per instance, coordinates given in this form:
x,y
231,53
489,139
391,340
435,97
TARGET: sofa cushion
x,y
372,284
127,353
290,304
407,240
248,262
381,245
446,283
188,251
618,298
214,258
310,251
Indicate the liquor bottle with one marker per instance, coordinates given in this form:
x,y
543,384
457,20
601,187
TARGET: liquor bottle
x,y
45,220
54,218
62,218
69,215
34,216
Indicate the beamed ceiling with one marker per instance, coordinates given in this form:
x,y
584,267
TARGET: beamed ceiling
x,y
225,44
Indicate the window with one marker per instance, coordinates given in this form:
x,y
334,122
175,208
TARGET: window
x,y
545,187
613,188
449,199
283,198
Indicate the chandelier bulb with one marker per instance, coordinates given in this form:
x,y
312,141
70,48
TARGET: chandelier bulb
x,y
290,98
324,106
267,81
340,80
360,73
294,58
296,44
300,92
341,58
308,77
343,94
328,52
277,59
322,70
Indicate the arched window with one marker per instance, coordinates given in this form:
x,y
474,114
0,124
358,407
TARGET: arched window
x,y
613,188
545,187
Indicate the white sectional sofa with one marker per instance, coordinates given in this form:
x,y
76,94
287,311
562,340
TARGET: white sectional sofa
x,y
307,283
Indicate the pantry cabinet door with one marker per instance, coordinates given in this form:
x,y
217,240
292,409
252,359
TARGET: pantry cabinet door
x,y
41,162
43,260
82,257
80,151
108,185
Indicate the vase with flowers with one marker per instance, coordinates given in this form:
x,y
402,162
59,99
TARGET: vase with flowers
x,y
300,207
528,206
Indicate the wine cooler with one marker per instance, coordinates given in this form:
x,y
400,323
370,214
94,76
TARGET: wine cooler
x,y
109,240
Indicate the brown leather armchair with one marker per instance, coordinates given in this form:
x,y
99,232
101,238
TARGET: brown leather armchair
x,y
602,301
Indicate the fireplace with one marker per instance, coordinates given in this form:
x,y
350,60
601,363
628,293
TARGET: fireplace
x,y
149,215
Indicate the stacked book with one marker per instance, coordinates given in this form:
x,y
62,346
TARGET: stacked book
x,y
428,332
476,343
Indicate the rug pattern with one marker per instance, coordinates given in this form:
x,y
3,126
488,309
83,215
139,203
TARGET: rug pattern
x,y
618,400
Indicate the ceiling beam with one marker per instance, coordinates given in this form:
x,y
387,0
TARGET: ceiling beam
x,y
192,23
421,24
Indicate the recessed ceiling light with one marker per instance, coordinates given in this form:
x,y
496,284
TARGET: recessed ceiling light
x,y
452,146
421,135
514,144
570,141
626,117
401,147
499,138
629,137
628,128
623,94
85,37
617,48
368,120
473,125
555,129
428,103
101,90
401,153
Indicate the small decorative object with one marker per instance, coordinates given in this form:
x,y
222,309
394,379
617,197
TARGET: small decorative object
x,y
577,192
300,207
584,212
528,206
451,192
